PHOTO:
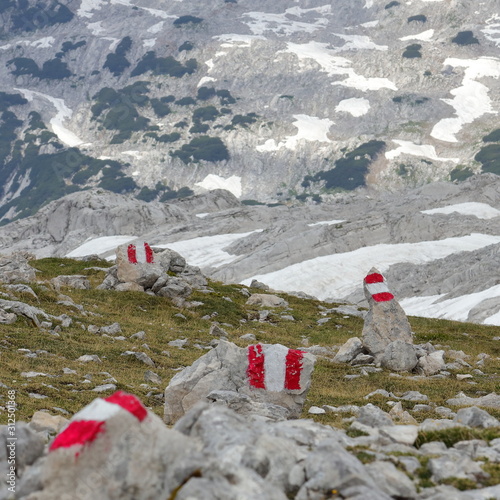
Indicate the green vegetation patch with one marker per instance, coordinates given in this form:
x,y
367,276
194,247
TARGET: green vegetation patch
x,y
53,69
413,51
39,16
493,136
7,100
390,5
465,38
420,18
455,434
489,157
116,62
187,20
164,66
202,148
460,173
350,171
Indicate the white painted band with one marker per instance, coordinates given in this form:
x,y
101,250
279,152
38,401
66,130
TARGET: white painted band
x,y
275,366
99,409
140,252
374,288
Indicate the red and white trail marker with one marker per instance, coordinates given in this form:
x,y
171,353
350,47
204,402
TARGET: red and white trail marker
x,y
90,422
140,253
377,287
274,367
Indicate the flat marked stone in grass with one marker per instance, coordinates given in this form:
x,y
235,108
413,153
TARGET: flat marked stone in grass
x,y
86,358
33,374
104,388
266,300
140,356
316,410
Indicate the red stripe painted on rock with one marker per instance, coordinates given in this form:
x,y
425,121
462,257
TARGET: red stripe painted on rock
x,y
80,432
149,253
293,369
130,403
374,278
255,370
382,297
132,254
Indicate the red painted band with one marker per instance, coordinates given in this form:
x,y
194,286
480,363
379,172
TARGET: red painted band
x,y
132,254
374,278
382,297
130,403
293,369
80,432
149,253
255,370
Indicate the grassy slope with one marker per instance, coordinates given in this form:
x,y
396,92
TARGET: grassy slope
x,y
157,317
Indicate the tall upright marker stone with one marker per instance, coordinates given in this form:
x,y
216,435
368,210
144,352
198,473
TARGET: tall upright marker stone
x,y
385,322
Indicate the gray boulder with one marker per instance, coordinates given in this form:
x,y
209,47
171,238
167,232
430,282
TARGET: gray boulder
x,y
115,449
386,321
271,374
475,417
170,260
76,281
431,363
266,300
15,268
137,266
399,356
349,351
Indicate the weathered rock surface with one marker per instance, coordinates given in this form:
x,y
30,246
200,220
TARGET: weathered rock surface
x,y
15,268
386,322
229,368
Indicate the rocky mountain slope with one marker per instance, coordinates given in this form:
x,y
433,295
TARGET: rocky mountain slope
x,y
437,245
271,101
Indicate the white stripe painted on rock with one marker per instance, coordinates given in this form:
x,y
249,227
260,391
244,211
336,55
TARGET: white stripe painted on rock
x,y
275,367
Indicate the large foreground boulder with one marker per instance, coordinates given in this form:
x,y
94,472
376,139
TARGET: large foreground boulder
x,y
265,379
385,323
115,449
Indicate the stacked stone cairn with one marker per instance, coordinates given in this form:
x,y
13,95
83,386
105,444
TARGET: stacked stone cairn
x,y
387,339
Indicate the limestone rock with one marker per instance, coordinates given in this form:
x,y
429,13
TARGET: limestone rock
x,y
491,400
175,288
266,300
15,268
390,480
476,417
142,271
266,373
76,281
349,351
115,449
170,260
399,356
386,321
430,364
43,421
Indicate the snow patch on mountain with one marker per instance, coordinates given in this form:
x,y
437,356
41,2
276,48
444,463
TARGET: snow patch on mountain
x,y
281,24
325,223
471,99
242,41
207,251
41,43
356,106
358,42
338,275
492,30
425,150
456,309
479,210
334,65
310,128
63,113
231,184
425,36
100,246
